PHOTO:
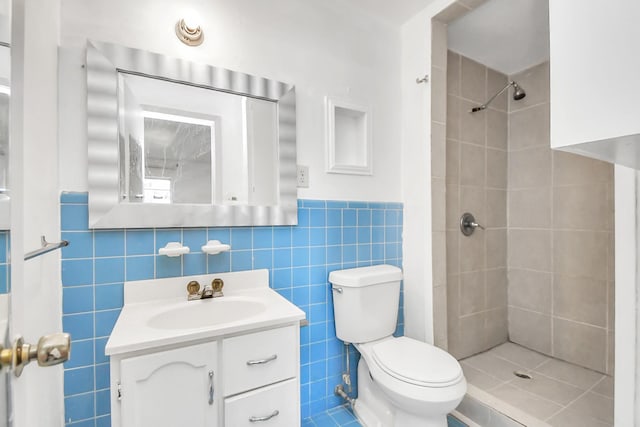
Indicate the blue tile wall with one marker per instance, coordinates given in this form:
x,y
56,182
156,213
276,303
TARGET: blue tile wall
x,y
330,235
5,266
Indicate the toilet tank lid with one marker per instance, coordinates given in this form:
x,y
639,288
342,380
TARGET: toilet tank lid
x,y
365,276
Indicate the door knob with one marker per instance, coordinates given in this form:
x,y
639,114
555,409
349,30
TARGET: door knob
x,y
50,350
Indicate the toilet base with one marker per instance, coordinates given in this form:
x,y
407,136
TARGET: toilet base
x,y
374,409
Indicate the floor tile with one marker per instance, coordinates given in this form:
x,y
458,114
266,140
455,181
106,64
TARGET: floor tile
x,y
569,418
605,387
580,377
595,406
548,388
527,402
519,355
479,378
494,366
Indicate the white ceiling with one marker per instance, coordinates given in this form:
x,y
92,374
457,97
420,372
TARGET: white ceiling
x,y
506,35
393,12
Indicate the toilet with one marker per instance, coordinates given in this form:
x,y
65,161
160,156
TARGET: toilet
x,y
402,382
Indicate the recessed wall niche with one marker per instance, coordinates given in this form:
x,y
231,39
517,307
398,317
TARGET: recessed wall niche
x,y
348,137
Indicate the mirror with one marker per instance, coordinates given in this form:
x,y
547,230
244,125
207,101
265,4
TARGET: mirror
x,y
173,143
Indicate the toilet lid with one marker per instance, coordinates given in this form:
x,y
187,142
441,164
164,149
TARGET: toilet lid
x,y
416,362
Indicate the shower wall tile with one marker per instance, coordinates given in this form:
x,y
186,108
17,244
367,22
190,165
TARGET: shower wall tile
x,y
535,82
530,168
497,291
496,169
530,208
453,117
473,126
571,169
473,81
472,252
581,344
476,182
299,258
529,249
496,212
530,290
496,248
560,210
529,128
472,164
453,73
496,81
530,329
584,207
495,328
580,299
472,293
438,150
497,129
581,254
438,95
439,45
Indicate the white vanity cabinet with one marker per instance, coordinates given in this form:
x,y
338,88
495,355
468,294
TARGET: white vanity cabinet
x,y
229,361
170,388
248,379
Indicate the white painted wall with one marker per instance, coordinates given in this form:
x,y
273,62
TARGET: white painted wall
x,y
593,67
416,173
626,297
36,284
321,47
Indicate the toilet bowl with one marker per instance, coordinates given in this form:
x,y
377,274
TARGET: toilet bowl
x,y
409,383
402,382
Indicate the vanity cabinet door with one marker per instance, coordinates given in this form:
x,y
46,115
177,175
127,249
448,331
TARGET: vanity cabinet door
x,y
171,388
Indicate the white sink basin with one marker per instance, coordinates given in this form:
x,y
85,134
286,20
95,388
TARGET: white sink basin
x,y
208,312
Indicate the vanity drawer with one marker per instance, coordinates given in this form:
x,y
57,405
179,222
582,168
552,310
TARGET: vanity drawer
x,y
271,406
254,360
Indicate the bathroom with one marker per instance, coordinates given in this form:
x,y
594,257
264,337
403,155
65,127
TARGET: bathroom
x,y
353,55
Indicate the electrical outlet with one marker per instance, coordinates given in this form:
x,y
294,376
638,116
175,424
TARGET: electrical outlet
x,y
303,176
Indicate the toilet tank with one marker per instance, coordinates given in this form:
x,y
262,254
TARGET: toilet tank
x,y
365,302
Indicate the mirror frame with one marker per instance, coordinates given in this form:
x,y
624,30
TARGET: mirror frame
x,y
104,62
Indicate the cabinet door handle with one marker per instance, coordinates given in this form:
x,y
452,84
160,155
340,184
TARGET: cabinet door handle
x,y
262,361
266,418
210,387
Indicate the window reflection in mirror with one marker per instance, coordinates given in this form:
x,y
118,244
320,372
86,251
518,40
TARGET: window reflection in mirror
x,y
183,144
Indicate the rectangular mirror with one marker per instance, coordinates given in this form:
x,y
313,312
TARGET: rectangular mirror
x,y
173,143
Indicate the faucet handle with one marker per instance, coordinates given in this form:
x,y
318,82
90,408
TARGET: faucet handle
x,y
217,285
193,287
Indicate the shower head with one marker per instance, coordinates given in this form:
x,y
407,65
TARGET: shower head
x,y
518,94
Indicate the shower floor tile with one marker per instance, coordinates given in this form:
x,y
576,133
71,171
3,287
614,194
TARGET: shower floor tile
x,y
558,393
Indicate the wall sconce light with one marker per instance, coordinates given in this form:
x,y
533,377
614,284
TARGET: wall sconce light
x,y
189,32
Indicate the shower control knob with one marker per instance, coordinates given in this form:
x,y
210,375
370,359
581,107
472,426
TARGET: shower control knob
x,y
468,224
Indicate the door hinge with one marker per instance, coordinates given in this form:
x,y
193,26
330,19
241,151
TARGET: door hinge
x,y
119,390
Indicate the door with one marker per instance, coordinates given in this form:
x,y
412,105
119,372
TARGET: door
x,y
171,388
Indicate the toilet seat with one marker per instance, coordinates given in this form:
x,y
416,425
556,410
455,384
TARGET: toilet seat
x,y
416,363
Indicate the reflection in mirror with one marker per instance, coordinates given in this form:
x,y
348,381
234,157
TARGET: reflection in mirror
x,y
186,144
175,143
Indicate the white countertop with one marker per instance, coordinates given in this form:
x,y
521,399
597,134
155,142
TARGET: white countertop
x,y
148,298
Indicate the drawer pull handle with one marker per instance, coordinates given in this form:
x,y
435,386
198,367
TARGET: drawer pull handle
x,y
262,361
210,387
267,418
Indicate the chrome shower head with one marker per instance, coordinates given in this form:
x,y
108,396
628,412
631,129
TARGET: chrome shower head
x,y
518,92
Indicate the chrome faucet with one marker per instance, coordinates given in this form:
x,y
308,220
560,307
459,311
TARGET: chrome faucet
x,y
213,290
